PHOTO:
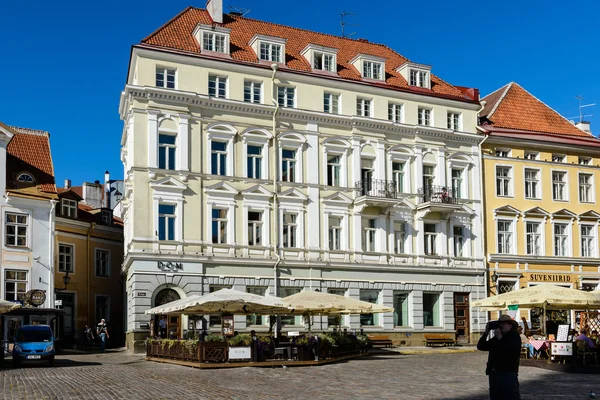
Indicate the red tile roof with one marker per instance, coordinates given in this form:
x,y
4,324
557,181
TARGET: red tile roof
x,y
29,151
178,34
513,107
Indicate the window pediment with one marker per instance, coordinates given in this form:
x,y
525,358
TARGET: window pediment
x,y
563,214
256,191
223,131
221,189
338,198
589,216
506,211
293,195
536,212
168,185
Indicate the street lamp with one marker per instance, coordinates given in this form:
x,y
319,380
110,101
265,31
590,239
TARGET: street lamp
x,y
494,277
66,280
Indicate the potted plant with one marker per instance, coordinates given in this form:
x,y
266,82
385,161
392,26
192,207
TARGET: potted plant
x,y
239,347
264,347
305,345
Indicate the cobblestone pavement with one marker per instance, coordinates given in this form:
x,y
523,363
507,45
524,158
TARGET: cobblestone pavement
x,y
380,376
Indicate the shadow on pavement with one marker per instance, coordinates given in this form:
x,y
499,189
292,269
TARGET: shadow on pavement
x,y
58,363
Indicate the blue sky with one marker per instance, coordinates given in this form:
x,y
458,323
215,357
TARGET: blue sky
x,y
64,63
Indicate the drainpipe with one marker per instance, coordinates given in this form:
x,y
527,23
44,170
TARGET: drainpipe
x,y
482,197
89,275
51,225
274,67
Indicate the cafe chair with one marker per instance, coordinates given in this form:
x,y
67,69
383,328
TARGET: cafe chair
x,y
524,352
583,352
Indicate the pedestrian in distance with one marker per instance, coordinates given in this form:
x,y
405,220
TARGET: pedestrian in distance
x,y
503,359
102,332
88,336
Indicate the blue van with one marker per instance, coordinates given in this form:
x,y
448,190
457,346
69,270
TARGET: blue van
x,y
34,343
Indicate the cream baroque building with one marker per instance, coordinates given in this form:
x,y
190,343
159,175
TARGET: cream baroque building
x,y
272,159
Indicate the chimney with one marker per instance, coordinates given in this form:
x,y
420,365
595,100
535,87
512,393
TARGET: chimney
x,y
92,194
67,184
584,126
105,198
215,9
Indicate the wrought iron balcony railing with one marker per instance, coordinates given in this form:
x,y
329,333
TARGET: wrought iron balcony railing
x,y
438,194
377,188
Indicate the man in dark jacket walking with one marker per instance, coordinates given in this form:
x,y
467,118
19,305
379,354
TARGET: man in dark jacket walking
x,y
503,359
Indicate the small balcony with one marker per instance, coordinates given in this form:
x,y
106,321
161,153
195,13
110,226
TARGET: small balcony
x,y
376,193
438,199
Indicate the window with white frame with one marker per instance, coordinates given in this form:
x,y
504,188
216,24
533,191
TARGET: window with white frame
x,y
288,165
290,229
323,61
363,107
219,225
431,309
504,153
561,240
454,121
558,158
424,116
370,296
532,155
585,188
369,234
255,226
68,208
212,41
398,175
252,92
419,78
271,52
584,161
286,96
459,241
102,263
335,233
430,238
457,182
505,286
254,161
533,238
336,319
503,181
372,70
588,238
16,229
559,185
253,319
217,86
532,182
165,77
15,284
331,103
401,308
218,157
334,167
25,177
399,237
395,112
166,222
428,176
505,236
167,148
215,320
65,258
289,320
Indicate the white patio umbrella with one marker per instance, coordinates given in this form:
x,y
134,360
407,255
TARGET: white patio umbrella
x,y
310,302
6,306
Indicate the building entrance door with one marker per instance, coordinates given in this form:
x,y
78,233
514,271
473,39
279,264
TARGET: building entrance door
x,y
461,317
68,305
166,326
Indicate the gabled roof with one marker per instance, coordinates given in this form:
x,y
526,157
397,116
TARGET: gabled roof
x,y
513,107
177,34
29,151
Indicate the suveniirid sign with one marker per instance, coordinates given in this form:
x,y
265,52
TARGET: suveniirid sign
x,y
550,278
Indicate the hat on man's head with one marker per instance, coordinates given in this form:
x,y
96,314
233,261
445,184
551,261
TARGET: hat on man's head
x,y
507,318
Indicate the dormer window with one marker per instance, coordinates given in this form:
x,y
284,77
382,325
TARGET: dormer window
x,y
25,177
418,75
371,67
321,58
68,208
107,217
323,62
270,52
372,70
419,78
269,48
214,39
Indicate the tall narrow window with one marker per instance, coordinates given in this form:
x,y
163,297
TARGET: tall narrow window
x,y
370,296
290,227
288,165
166,222
428,176
457,183
15,284
454,121
531,183
331,103
400,309
585,188
335,233
395,112
333,170
431,309
16,229
534,239
65,258
217,86
286,96
212,41
271,52
165,77
399,237
218,157
102,263
430,239
587,241
254,161
219,225
424,116
398,176
363,107
559,184
503,181
504,237
254,228
459,241
372,70
369,234
252,92
166,151
561,240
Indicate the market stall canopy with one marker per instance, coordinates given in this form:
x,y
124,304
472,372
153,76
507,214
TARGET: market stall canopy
x,y
309,302
543,295
6,306
224,301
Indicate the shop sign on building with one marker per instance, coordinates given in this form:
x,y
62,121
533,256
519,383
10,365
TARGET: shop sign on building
x,y
170,266
550,278
35,297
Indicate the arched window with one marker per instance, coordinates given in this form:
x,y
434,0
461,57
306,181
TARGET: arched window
x,y
25,177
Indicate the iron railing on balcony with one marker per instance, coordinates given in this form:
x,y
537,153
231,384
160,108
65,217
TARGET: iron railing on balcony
x,y
377,188
438,194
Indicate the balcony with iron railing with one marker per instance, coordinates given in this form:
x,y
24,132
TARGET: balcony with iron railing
x,y
376,188
438,194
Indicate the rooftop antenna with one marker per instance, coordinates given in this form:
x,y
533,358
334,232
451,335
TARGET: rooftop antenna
x,y
581,115
343,23
239,10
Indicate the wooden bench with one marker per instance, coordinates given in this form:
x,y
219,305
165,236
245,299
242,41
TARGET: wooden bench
x,y
445,339
380,340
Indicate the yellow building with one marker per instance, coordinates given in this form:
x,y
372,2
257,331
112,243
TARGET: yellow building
x,y
541,178
89,250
